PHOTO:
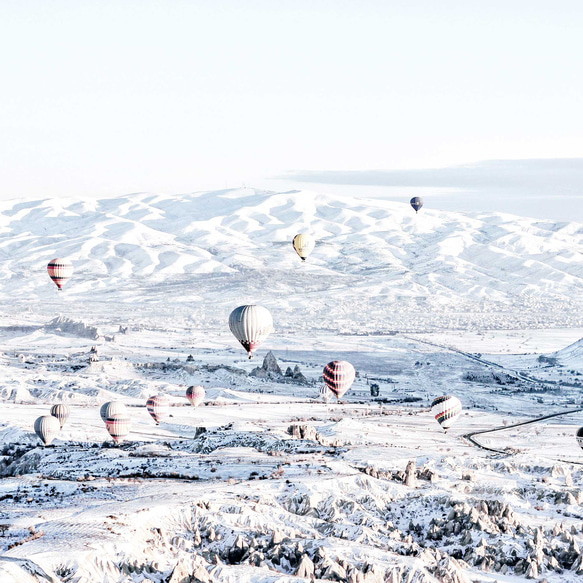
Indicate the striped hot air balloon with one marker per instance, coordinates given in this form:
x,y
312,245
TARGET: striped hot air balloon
x,y
112,408
47,428
60,271
118,426
339,376
250,325
61,412
158,407
195,395
446,410
580,437
303,244
416,202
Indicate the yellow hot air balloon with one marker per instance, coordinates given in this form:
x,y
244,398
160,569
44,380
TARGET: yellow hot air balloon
x,y
303,244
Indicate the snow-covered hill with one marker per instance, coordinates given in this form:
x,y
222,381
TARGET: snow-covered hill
x,y
377,265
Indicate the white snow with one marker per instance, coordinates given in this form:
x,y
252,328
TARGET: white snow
x,y
479,305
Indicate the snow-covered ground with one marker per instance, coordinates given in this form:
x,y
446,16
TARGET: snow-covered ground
x,y
269,480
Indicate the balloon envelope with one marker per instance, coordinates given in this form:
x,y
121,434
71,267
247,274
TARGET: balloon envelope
x,y
446,410
417,203
47,428
112,408
61,412
158,407
251,325
195,395
339,376
118,426
580,437
60,271
303,245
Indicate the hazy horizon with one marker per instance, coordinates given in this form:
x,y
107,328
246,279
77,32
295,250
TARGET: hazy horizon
x,y
110,98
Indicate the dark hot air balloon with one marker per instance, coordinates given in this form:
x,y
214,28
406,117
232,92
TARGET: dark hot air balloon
x,y
417,203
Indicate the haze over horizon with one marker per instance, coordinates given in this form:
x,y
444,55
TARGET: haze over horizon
x,y
102,100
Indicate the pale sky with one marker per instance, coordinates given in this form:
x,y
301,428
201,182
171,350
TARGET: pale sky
x,y
115,96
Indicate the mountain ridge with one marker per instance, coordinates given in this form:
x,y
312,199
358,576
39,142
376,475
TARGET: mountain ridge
x,y
235,245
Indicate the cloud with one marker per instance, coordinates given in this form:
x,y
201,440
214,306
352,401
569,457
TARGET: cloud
x,y
562,176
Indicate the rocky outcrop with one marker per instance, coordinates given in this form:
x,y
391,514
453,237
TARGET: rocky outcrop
x,y
295,374
270,370
62,325
305,567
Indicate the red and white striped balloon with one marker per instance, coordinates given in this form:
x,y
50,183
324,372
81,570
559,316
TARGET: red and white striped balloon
x,y
60,271
158,407
339,376
118,426
195,395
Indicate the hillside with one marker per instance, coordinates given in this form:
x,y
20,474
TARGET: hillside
x,y
377,265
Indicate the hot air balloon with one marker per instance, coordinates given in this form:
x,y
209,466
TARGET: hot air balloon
x,y
446,410
61,412
158,407
195,395
417,203
47,428
112,408
580,437
118,426
60,271
250,325
339,376
303,245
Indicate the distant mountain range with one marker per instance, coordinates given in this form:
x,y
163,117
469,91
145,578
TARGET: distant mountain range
x,y
377,264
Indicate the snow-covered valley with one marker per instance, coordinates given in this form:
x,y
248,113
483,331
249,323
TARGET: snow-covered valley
x,y
270,479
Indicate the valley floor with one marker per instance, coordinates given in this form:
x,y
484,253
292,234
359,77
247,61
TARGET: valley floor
x,y
269,480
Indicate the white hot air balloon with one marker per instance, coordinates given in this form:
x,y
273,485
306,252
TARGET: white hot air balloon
x,y
251,325
303,244
47,428
446,410
195,395
112,408
61,412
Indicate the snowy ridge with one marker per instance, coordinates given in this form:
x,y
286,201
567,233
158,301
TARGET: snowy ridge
x,y
235,245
